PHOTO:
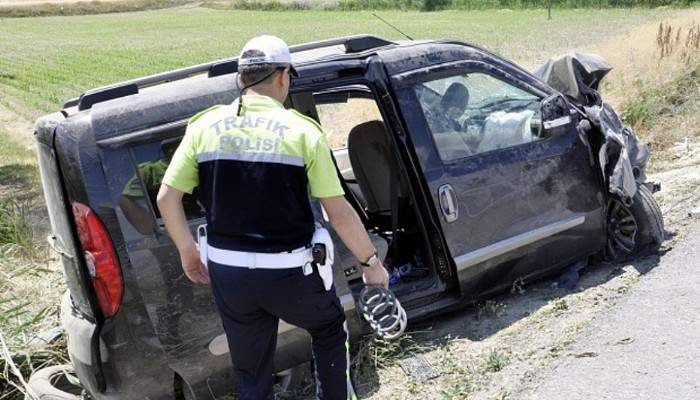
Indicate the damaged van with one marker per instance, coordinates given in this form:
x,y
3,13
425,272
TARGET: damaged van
x,y
468,172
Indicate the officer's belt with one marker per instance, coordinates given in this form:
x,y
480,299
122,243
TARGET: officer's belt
x,y
295,258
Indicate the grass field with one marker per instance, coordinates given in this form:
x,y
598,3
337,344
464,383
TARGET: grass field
x,y
48,60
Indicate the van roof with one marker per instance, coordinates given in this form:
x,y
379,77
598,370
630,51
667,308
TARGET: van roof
x,y
304,53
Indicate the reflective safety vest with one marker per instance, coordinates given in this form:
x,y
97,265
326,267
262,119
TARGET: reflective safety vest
x,y
255,172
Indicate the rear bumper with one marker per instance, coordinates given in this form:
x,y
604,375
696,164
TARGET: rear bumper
x,y
83,345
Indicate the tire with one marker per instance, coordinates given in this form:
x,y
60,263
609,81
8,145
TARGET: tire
x,y
51,383
634,230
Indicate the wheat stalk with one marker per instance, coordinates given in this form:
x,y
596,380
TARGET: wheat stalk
x,y
13,368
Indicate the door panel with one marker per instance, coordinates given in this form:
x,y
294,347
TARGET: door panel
x,y
527,200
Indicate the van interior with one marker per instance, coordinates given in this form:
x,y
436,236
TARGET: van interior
x,y
376,186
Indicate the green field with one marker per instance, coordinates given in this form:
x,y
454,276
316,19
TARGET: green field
x,y
45,61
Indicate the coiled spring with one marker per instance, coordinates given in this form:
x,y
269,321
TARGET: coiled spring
x,y
383,311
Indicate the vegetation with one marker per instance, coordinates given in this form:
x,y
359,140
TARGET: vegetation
x,y
85,7
30,282
30,286
651,105
666,99
49,60
15,226
496,361
434,5
665,114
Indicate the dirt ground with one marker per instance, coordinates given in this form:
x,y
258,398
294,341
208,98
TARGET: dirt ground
x,y
645,348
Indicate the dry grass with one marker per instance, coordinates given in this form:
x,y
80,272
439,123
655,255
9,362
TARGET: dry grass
x,y
16,366
662,105
31,282
30,302
654,83
53,8
672,39
636,57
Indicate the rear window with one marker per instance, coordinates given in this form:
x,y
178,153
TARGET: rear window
x,y
151,160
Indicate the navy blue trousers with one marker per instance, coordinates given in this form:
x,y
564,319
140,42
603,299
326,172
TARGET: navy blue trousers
x,y
251,302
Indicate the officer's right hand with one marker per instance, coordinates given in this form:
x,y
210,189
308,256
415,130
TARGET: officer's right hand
x,y
193,267
376,276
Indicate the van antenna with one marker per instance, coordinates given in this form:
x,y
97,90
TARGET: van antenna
x,y
391,26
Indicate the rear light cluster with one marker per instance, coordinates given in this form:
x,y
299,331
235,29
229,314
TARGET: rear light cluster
x,y
101,259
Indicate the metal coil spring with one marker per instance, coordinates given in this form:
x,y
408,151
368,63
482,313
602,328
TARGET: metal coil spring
x,y
383,311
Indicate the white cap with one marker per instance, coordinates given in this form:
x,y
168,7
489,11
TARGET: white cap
x,y
269,50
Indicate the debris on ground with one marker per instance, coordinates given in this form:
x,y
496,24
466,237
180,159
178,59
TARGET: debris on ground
x,y
44,338
418,369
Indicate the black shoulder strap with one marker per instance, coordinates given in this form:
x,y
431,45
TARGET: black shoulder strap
x,y
394,193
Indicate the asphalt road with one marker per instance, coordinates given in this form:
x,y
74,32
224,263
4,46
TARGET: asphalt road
x,y
646,347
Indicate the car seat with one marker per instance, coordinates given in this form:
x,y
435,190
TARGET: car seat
x,y
376,169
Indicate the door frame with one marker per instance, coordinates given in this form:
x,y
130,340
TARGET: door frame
x,y
375,78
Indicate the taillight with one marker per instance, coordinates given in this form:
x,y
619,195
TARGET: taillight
x,y
101,259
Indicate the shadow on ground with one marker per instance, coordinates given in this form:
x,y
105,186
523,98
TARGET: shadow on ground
x,y
486,318
480,320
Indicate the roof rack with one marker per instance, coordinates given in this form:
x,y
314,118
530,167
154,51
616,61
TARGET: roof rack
x,y
352,44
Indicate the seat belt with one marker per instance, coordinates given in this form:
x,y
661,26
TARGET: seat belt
x,y
394,200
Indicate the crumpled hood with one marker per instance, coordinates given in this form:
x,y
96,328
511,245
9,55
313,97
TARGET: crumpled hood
x,y
623,158
577,75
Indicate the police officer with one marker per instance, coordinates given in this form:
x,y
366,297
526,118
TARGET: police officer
x,y
255,164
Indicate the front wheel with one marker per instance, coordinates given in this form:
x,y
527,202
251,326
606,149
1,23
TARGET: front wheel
x,y
634,230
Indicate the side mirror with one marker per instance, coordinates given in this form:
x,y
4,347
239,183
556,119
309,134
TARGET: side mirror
x,y
556,112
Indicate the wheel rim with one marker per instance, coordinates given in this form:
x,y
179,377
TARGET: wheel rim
x,y
622,229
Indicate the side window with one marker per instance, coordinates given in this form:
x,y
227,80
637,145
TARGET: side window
x,y
354,126
338,119
139,193
475,113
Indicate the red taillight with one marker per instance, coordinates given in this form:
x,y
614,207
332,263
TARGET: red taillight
x,y
101,259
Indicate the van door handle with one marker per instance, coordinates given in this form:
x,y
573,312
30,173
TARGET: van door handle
x,y
448,202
